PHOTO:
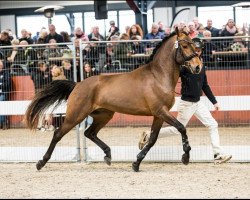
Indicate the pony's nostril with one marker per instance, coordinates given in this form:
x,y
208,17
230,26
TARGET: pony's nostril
x,y
197,69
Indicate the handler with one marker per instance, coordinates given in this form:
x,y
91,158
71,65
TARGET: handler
x,y
190,104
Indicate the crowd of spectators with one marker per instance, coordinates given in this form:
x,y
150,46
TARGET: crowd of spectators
x,y
104,55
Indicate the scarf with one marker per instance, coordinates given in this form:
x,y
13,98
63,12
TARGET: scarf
x,y
231,30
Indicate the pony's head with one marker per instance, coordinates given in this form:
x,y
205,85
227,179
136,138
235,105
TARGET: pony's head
x,y
185,53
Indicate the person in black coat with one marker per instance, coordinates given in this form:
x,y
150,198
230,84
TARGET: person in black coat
x,y
5,86
53,35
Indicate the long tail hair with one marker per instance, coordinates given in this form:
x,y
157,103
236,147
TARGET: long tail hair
x,y
55,92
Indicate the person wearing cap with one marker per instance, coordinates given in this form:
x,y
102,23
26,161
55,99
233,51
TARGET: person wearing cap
x,y
192,86
113,30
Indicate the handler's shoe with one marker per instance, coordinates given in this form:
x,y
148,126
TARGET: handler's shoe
x,y
220,158
144,137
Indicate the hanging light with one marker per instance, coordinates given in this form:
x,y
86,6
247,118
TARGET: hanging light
x,y
49,11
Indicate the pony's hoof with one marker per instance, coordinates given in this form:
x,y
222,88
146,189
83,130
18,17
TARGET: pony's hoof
x,y
185,158
135,167
39,165
107,160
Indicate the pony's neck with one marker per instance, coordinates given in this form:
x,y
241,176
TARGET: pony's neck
x,y
164,64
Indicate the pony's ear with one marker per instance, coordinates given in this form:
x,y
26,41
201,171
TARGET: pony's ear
x,y
177,31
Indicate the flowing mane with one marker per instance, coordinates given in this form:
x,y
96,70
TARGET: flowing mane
x,y
160,44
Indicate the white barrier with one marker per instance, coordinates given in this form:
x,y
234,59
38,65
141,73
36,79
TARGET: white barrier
x,y
227,103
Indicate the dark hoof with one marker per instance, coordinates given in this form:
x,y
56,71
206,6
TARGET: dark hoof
x,y
135,167
185,158
39,165
107,160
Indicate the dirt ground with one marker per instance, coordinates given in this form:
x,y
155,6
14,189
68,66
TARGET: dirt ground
x,y
98,180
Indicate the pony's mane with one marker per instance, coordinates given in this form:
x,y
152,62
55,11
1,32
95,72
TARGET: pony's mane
x,y
160,44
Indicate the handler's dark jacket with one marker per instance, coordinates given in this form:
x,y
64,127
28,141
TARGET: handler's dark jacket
x,y
193,84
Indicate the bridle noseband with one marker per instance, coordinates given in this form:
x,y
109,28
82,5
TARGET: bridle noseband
x,y
185,58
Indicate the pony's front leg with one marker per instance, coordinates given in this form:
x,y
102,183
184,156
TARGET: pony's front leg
x,y
172,121
155,129
185,143
56,138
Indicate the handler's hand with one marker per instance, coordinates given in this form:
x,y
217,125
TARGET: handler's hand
x,y
216,107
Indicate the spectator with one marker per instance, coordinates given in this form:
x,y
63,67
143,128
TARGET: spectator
x,y
121,51
53,35
35,38
67,66
95,35
230,29
137,48
197,24
5,85
79,34
167,31
25,36
54,121
57,73
239,43
41,76
135,30
91,54
29,36
201,29
65,35
25,58
214,31
192,30
11,35
127,29
11,56
42,36
109,56
14,43
52,51
161,29
154,34
210,46
113,30
5,39
88,70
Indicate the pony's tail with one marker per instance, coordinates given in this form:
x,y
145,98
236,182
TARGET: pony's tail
x,y
55,92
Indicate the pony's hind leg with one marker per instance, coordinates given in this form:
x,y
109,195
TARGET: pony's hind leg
x,y
155,129
101,118
67,125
